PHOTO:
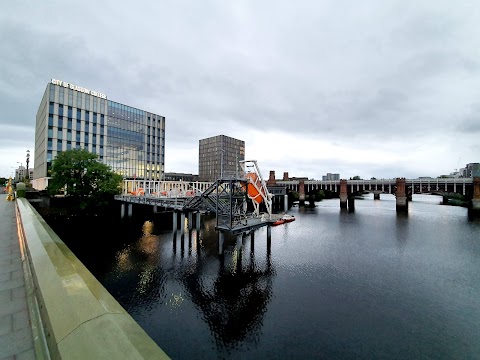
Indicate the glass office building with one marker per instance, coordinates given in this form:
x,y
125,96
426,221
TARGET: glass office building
x,y
131,141
219,156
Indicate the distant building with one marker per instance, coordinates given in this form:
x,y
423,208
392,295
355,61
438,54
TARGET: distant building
x,y
471,170
219,155
172,176
20,173
330,177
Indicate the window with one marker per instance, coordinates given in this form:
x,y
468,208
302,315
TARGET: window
x,y
51,108
87,115
86,139
60,122
70,109
69,124
69,145
69,135
59,145
79,114
79,99
50,120
79,125
60,133
52,92
101,119
60,109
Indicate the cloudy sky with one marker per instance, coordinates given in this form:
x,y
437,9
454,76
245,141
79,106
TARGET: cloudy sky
x,y
369,88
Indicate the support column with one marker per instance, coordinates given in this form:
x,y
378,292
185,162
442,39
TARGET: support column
x,y
376,195
154,209
239,242
343,194
474,209
174,220
129,211
122,211
285,202
269,232
182,223
401,195
351,203
197,219
301,193
221,238
190,220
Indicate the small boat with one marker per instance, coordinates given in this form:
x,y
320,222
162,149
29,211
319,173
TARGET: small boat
x,y
284,219
278,222
288,218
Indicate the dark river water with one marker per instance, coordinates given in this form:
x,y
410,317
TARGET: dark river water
x,y
331,285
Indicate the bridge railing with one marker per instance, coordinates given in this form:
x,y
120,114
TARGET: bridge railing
x,y
167,189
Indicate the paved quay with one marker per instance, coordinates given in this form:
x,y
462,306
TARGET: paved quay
x,y
15,330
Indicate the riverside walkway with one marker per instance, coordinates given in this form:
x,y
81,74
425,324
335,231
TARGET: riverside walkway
x,y
51,306
16,341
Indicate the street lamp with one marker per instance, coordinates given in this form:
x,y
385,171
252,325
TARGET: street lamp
x,y
28,159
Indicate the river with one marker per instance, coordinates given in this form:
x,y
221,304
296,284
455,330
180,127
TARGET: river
x,y
371,284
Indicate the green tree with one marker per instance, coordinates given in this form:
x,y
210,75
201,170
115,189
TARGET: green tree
x,y
356,177
85,180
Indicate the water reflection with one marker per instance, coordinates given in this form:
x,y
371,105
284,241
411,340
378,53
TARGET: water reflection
x,y
232,299
234,303
402,286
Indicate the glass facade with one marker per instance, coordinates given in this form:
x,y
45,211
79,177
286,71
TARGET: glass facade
x,y
130,148
129,140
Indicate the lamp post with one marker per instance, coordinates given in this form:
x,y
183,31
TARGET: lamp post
x,y
28,160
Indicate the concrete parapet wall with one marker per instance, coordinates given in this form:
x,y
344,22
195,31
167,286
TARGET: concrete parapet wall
x,y
80,319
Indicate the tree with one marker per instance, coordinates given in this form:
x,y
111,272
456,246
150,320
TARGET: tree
x,y
356,177
84,179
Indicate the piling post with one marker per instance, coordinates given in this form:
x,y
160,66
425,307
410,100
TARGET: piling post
x,y
221,239
182,223
401,195
343,194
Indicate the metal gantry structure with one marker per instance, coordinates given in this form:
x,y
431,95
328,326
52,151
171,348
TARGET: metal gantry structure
x,y
228,197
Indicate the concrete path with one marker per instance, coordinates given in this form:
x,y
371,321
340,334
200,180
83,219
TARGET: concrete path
x,y
15,331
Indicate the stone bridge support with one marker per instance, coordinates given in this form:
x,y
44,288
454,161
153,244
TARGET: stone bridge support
x,y
376,195
401,195
343,194
301,193
475,207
